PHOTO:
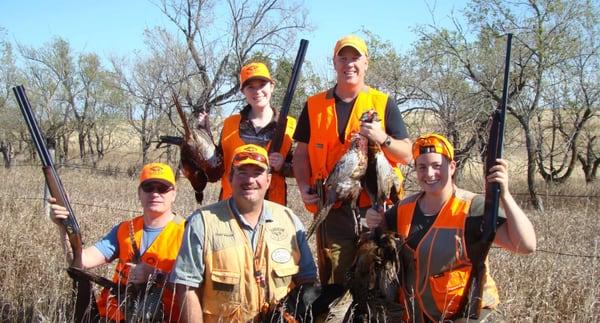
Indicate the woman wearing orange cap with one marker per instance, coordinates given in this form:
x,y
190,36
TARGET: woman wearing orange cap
x,y
256,124
440,225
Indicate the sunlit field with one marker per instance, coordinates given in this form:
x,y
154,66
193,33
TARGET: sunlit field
x,y
559,283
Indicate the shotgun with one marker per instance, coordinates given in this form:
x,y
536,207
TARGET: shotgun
x,y
84,296
472,303
277,139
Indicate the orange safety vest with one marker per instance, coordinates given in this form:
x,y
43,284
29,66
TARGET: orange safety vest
x,y
230,291
436,272
230,140
161,254
324,146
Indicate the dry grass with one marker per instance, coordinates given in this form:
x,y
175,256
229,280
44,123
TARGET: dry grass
x,y
540,288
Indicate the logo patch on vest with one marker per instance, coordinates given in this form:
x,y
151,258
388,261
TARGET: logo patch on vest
x,y
278,234
281,256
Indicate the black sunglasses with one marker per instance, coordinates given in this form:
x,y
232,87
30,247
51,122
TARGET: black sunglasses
x,y
155,187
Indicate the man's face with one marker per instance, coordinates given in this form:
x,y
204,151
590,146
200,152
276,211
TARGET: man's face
x,y
156,197
434,172
258,92
249,183
350,66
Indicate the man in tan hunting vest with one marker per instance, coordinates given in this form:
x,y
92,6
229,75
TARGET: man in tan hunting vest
x,y
240,256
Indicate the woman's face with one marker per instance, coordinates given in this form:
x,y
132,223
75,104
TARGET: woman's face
x,y
434,172
258,93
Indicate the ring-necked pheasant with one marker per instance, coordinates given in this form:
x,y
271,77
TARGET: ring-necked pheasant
x,y
343,183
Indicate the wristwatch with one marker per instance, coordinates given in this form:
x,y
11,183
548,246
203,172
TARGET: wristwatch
x,y
388,141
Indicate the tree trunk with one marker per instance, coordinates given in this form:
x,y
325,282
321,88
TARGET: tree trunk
x,y
531,169
6,149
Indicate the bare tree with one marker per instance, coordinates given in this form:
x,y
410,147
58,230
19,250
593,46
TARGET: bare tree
x,y
9,76
219,47
542,33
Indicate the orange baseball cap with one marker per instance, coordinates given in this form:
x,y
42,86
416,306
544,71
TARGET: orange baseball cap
x,y
250,155
352,41
157,172
254,70
432,143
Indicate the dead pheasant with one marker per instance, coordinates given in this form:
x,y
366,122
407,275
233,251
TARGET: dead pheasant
x,y
373,279
380,181
199,158
343,183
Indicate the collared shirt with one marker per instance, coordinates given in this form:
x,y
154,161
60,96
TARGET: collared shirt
x,y
189,268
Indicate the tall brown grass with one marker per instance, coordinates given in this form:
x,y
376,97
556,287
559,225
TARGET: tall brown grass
x,y
543,287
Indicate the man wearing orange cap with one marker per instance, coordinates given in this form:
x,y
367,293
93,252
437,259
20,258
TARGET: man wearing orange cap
x,y
324,132
145,247
256,124
240,256
441,227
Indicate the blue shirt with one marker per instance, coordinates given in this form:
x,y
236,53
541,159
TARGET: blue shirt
x,y
109,244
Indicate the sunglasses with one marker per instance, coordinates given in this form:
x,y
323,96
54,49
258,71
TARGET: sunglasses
x,y
156,187
250,155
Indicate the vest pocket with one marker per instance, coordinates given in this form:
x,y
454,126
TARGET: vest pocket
x,y
448,288
282,276
225,281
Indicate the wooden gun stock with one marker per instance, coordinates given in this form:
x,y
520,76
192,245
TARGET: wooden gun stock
x,y
82,288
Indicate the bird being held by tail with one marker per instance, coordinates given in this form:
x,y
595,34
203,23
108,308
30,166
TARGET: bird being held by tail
x,y
343,183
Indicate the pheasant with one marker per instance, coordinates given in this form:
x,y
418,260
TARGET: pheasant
x,y
343,183
380,181
199,159
373,279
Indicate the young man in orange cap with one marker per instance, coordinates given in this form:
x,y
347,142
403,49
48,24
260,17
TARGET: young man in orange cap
x,y
153,238
325,127
240,256
441,227
256,124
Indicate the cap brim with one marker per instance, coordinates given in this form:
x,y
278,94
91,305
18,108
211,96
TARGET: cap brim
x,y
258,77
164,181
251,162
350,45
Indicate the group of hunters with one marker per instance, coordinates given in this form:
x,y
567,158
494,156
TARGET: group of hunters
x,y
231,260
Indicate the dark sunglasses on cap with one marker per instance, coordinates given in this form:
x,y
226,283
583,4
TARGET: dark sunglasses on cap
x,y
250,155
151,187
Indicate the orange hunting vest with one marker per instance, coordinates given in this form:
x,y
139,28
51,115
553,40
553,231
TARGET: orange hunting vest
x,y
324,146
230,140
161,254
230,292
436,272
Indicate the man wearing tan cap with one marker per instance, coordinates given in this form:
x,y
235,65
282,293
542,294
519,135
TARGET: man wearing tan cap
x,y
145,247
240,256
256,124
324,130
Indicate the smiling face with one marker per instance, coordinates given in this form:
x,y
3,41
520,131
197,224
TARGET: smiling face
x,y
258,92
434,172
156,197
249,183
350,67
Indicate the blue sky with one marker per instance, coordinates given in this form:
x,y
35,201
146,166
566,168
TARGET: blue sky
x,y
116,26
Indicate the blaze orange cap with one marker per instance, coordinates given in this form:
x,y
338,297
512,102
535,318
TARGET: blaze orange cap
x,y
158,172
352,41
432,143
254,70
250,155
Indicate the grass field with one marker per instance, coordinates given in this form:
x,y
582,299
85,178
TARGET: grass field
x,y
543,287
